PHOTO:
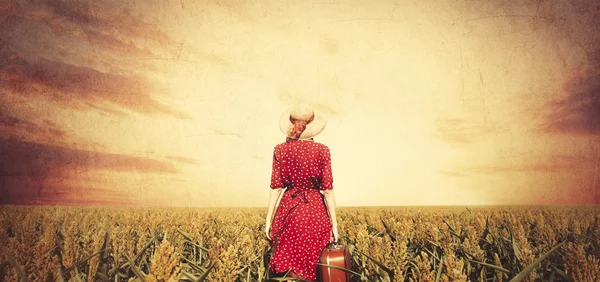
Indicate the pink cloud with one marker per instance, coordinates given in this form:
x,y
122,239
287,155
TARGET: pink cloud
x,y
578,111
48,173
550,164
183,160
80,87
460,131
79,195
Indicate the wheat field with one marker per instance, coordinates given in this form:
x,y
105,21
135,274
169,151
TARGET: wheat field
x,y
514,243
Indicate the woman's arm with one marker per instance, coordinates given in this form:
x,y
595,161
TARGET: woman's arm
x,y
273,198
327,186
330,202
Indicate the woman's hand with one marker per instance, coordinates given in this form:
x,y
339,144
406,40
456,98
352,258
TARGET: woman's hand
x,y
273,198
335,236
267,229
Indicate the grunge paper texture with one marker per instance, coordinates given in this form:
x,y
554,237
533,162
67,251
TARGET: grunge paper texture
x,y
176,103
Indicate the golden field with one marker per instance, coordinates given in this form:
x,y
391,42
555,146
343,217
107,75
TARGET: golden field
x,y
512,243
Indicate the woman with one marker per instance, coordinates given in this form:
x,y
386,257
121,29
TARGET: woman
x,y
305,220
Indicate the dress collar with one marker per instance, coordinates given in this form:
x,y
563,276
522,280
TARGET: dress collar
x,y
289,139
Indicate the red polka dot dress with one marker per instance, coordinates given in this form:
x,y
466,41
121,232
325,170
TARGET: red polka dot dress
x,y
301,226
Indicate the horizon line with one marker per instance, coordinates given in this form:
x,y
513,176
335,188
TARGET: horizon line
x,y
265,207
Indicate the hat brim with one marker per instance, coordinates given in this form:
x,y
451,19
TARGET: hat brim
x,y
312,129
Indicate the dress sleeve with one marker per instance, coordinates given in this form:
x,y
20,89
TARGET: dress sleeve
x,y
327,179
276,180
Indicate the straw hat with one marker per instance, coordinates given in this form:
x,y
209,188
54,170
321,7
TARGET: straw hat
x,y
302,112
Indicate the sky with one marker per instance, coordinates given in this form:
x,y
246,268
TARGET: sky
x,y
177,103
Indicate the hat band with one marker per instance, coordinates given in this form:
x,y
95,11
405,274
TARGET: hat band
x,y
293,120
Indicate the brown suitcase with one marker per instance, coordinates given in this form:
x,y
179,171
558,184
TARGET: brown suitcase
x,y
338,256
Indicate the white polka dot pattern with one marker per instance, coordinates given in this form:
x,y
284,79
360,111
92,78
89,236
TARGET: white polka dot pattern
x,y
301,227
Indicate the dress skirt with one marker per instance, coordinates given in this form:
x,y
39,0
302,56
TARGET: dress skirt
x,y
300,230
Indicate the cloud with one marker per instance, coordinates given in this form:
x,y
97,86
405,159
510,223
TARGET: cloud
x,y
556,163
26,124
49,173
79,87
578,112
569,178
460,131
503,169
72,52
102,24
13,126
10,8
34,159
183,160
33,193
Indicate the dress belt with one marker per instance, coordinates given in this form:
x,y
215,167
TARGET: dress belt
x,y
300,193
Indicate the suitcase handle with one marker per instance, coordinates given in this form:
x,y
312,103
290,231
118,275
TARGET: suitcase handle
x,y
334,246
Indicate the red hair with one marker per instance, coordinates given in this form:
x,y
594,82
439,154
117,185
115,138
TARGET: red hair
x,y
298,126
